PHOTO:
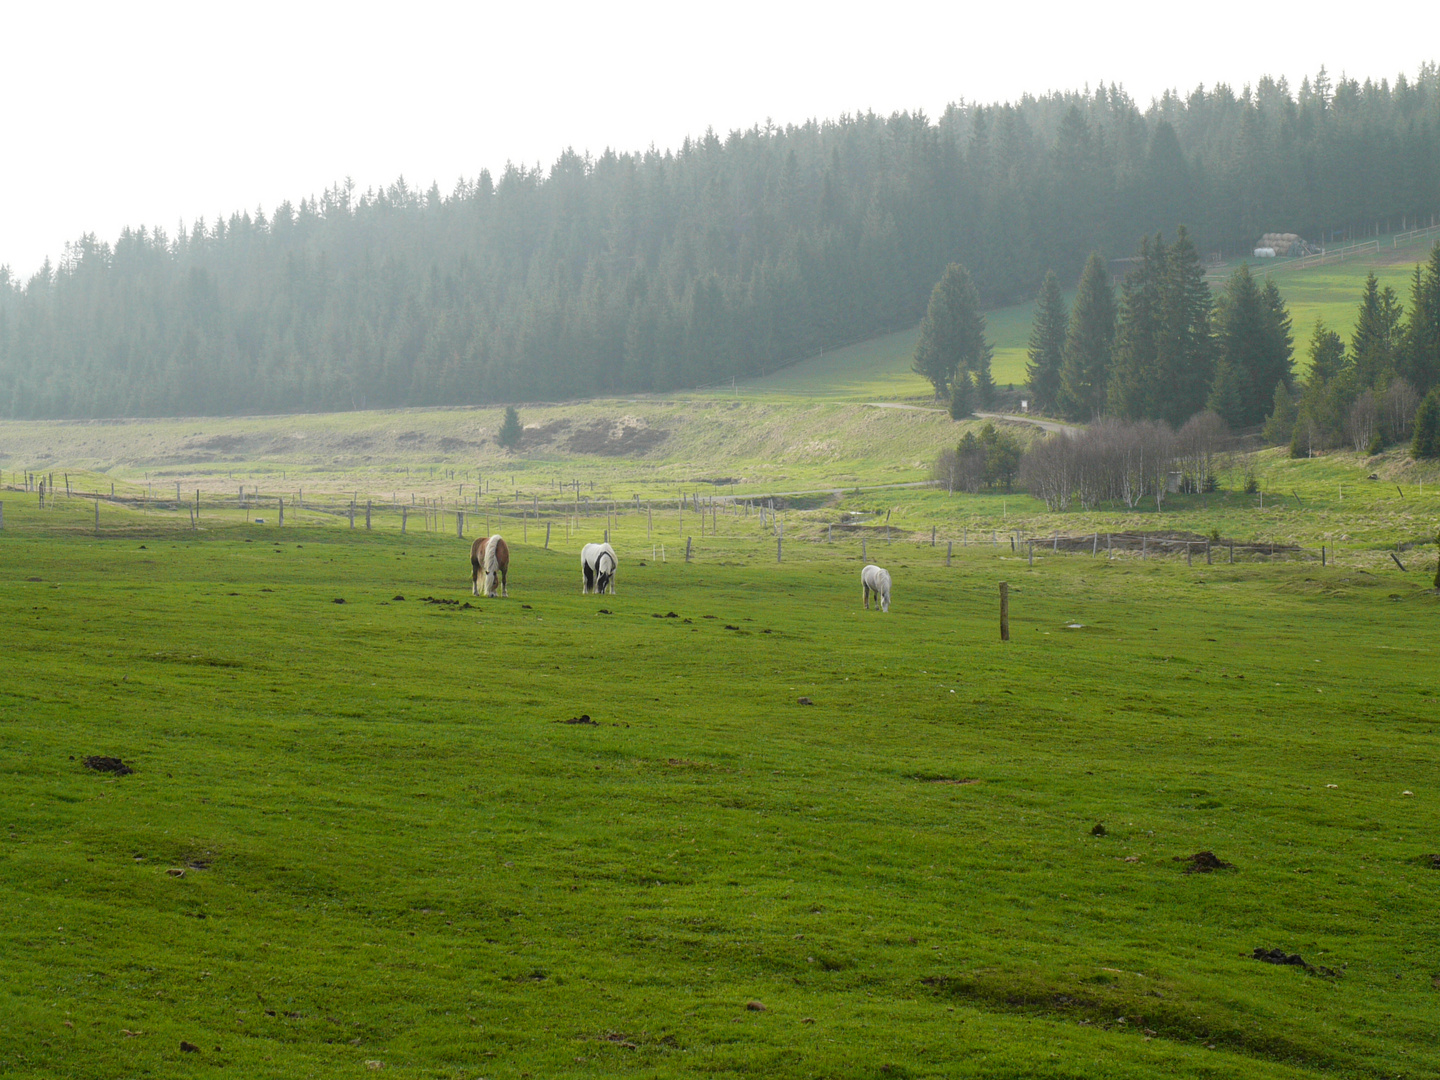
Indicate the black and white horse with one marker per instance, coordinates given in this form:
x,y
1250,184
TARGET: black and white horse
x,y
597,562
876,579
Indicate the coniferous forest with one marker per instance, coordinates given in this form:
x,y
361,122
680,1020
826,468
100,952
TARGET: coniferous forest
x,y
729,256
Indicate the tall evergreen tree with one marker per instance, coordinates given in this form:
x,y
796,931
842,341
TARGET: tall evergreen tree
x,y
1185,348
1133,388
952,336
1047,345
1377,333
1089,340
1239,334
1420,349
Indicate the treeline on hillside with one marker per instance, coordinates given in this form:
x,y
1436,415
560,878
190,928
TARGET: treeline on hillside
x,y
727,257
1166,350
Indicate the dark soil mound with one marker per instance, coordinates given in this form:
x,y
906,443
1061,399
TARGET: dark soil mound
x,y
583,718
1202,862
1279,956
108,764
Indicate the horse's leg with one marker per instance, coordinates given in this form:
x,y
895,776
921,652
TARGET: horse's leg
x,y
474,578
589,579
504,589
866,590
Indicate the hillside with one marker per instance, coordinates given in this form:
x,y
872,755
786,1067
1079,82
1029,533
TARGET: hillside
x,y
879,369
722,259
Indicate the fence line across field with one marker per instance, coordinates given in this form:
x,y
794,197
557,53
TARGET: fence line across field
x,y
516,516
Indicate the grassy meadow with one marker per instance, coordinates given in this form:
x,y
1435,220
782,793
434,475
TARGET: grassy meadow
x,y
366,834
724,822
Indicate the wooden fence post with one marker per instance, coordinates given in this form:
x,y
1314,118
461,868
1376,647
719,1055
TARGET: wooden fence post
x,y
1232,551
862,549
367,515
282,513
460,524
687,549
1004,611
404,515
932,535
547,536
778,541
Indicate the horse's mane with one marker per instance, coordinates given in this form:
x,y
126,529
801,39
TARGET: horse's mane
x,y
492,554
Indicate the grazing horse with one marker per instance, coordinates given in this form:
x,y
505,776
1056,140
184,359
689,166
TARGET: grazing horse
x,y
490,556
597,561
876,579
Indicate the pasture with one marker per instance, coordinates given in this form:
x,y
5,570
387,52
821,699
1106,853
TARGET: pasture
x,y
565,835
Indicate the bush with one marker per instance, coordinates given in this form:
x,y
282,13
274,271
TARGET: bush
x,y
1376,444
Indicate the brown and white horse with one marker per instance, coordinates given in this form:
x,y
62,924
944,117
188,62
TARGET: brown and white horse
x,y
489,556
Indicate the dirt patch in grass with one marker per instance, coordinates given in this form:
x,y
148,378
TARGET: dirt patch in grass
x,y
624,438
583,718
108,765
926,778
1202,862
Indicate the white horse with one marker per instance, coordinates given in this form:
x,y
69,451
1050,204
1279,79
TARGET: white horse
x,y
597,562
876,579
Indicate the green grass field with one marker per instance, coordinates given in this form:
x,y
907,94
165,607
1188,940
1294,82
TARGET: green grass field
x,y
396,850
364,835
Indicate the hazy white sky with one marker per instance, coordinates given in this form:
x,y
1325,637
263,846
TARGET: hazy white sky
x,y
149,113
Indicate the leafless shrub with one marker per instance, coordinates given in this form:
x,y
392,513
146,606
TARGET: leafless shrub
x,y
1363,420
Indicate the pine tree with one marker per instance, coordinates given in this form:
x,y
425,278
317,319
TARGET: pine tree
x,y
1377,332
952,336
510,429
1186,348
1420,349
962,397
1327,352
1278,351
1131,387
1281,422
1047,345
1426,442
1240,344
1089,340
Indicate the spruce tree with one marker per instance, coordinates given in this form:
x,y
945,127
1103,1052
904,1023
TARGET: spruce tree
x,y
1277,353
1047,346
1426,442
1185,349
1281,421
962,397
1132,388
1239,334
510,429
1089,341
1327,352
1377,333
952,336
1420,348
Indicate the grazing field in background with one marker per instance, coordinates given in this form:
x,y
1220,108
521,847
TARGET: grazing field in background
x,y
723,822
